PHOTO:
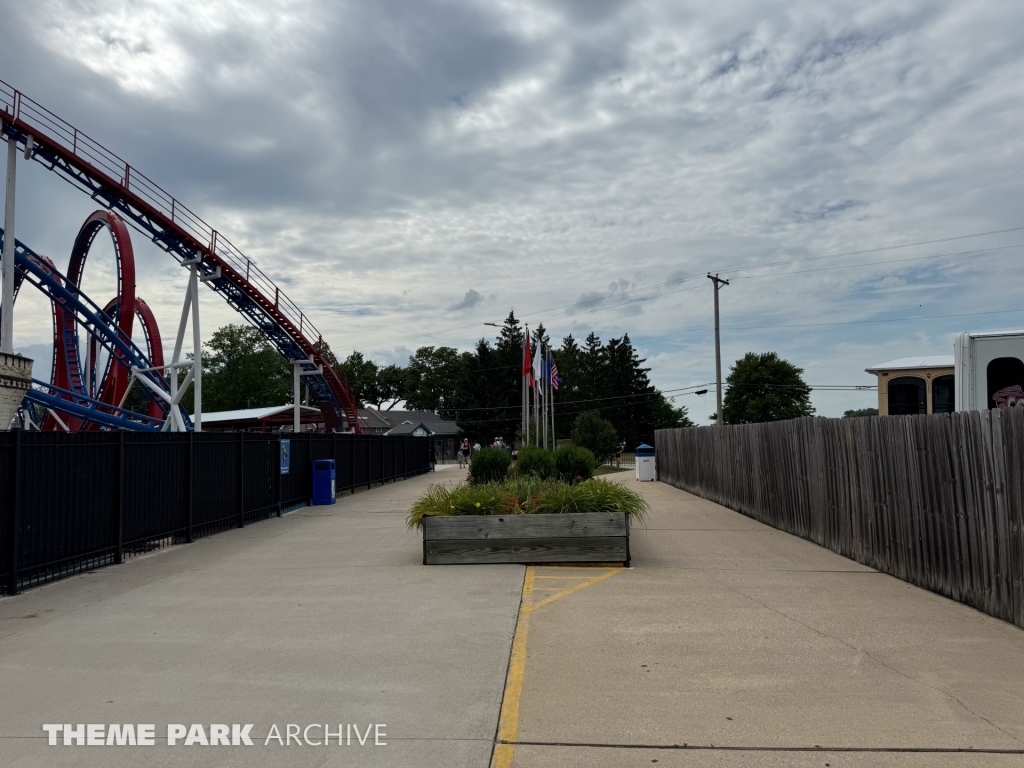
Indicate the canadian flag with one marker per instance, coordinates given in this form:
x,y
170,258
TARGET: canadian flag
x,y
528,359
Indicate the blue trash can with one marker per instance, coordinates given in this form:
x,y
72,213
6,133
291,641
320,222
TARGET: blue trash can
x,y
644,463
323,481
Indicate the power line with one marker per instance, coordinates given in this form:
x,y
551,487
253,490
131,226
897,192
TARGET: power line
x,y
751,267
763,327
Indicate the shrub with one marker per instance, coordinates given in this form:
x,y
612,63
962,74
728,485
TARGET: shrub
x,y
596,435
489,465
527,496
536,462
574,461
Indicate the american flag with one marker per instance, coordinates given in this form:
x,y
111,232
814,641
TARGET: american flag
x,y
553,371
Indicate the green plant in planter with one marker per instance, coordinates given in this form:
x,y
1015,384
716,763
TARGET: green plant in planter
x,y
573,463
536,462
528,496
489,465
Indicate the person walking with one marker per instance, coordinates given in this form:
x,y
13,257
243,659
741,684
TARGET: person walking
x,y
464,451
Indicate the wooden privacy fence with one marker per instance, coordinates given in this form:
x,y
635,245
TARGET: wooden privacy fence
x,y
937,501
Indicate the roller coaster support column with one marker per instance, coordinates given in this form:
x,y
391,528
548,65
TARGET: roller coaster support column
x,y
296,392
297,366
195,368
197,356
7,271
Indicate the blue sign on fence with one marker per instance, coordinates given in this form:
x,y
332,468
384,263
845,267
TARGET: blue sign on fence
x,y
286,456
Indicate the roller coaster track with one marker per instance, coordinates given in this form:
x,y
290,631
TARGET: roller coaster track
x,y
72,308
117,186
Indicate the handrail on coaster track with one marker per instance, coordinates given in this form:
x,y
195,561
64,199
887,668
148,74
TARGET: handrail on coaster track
x,y
112,182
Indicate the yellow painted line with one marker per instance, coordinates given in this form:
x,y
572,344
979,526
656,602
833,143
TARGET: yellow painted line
x,y
569,591
508,720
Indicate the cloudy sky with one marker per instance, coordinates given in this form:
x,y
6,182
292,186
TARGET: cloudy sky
x,y
409,170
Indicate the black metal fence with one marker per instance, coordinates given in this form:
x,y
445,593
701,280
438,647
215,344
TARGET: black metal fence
x,y
70,503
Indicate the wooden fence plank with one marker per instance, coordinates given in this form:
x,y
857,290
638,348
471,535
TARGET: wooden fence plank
x,y
935,500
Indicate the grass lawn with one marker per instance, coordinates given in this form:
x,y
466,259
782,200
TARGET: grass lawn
x,y
606,469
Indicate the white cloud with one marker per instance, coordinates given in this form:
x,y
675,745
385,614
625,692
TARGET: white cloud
x,y
374,157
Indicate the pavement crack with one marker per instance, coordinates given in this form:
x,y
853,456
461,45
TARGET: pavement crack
x,y
878,661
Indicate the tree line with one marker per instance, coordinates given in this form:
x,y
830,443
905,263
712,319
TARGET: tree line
x,y
481,388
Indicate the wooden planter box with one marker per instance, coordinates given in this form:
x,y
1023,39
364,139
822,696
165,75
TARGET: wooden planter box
x,y
569,538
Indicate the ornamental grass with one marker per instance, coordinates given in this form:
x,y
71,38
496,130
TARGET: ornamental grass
x,y
528,496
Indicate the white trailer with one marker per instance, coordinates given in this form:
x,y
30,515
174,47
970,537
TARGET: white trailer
x,y
989,370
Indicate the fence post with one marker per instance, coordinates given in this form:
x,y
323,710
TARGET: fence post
x,y
241,481
188,497
12,542
119,553
309,470
369,474
352,462
277,474
383,469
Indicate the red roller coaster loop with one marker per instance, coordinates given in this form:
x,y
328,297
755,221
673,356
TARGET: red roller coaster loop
x,y
110,181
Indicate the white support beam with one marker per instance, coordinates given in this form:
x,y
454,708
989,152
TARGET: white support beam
x,y
197,355
7,264
296,396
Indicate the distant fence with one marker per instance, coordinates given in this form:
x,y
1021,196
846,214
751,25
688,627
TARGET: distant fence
x,y
937,501
74,502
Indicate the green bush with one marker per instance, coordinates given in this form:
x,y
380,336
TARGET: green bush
x,y
489,465
528,496
595,434
574,463
534,461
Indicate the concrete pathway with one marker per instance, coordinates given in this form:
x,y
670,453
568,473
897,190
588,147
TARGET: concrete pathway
x,y
322,616
727,644
750,647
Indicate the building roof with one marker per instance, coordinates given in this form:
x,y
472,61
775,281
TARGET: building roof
x,y
408,428
393,419
909,363
258,414
372,419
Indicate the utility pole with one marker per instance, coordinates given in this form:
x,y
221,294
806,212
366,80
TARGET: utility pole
x,y
718,282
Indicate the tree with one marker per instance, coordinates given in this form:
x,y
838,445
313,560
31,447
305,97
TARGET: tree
x,y
852,414
242,370
491,385
361,375
668,416
596,434
432,379
389,385
764,387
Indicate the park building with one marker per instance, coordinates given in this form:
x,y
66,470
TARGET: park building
x,y
444,432
912,385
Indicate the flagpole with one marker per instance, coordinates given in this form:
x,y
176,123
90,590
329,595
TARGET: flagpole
x,y
544,391
526,388
554,439
536,411
522,394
